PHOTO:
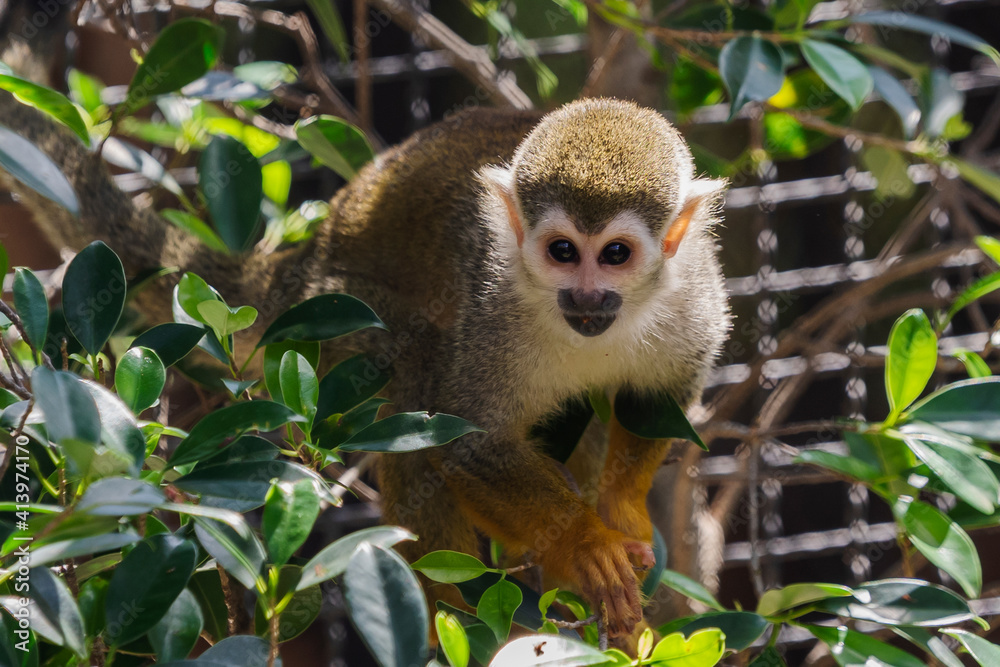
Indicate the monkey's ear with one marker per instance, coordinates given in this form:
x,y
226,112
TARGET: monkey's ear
x,y
702,196
504,208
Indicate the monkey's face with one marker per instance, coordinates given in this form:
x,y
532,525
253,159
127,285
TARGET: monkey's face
x,y
592,277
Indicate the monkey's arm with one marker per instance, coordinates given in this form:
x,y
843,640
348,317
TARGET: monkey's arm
x,y
516,494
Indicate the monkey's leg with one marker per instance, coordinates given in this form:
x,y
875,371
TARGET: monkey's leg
x,y
415,495
625,481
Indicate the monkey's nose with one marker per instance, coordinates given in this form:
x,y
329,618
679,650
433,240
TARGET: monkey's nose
x,y
589,313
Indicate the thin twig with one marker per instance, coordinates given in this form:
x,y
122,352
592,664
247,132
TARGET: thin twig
x,y
575,625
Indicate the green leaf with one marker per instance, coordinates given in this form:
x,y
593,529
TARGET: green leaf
x,y
247,481
350,383
125,155
453,639
449,567
848,466
54,614
241,555
654,417
139,378
289,513
145,584
195,226
889,168
230,178
224,320
740,628
703,648
206,586
965,475
32,306
778,600
93,295
18,646
321,318
968,407
170,341
975,365
33,168
769,657
975,291
174,636
386,605
931,643
752,69
266,74
80,546
336,143
986,653
119,432
984,179
901,602
689,588
70,410
332,26
299,387
300,612
941,101
118,496
191,291
851,648
911,360
228,422
942,542
54,103
85,90
332,560
990,246
408,432
846,75
927,26
896,96
237,651
547,650
5,259
497,606
184,51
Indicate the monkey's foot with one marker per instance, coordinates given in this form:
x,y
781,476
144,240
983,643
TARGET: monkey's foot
x,y
640,554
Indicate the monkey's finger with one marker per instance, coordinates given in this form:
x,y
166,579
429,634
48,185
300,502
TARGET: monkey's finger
x,y
641,554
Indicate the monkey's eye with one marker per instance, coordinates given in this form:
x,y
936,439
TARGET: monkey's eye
x,y
615,253
563,251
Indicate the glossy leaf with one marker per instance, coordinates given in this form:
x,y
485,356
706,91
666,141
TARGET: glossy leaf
x,y
191,291
752,69
689,588
195,226
990,246
965,475
230,178
33,168
266,74
332,25
930,642
241,555
70,410
942,542
32,306
332,560
968,407
119,432
139,378
548,650
986,653
654,417
778,600
145,585
17,650
127,156
224,320
80,546
321,318
974,364
289,513
452,638
974,292
174,636
171,341
896,96
769,657
449,566
228,422
350,383
740,628
299,386
336,143
247,482
43,98
901,602
849,647
386,605
704,648
237,651
846,75
911,360
408,432
53,613
497,606
118,496
300,612
184,51
93,295
927,26
272,362
848,466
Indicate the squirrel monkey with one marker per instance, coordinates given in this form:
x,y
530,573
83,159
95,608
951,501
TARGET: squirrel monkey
x,y
518,263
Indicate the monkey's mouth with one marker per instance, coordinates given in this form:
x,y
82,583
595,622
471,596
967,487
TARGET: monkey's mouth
x,y
590,324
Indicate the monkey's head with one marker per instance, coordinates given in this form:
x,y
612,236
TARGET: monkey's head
x,y
593,210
